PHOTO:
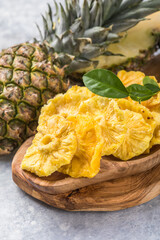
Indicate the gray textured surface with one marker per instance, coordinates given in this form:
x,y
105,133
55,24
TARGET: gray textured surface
x,y
24,218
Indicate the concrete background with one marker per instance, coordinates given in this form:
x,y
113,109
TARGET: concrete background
x,y
24,218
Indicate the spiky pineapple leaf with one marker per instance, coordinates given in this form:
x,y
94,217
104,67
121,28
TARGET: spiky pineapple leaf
x,y
99,22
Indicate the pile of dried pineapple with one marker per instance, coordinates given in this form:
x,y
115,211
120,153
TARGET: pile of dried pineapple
x,y
77,128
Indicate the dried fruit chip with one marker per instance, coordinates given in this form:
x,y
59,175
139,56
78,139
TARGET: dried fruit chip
x,y
156,137
69,102
131,77
65,104
137,138
52,147
138,108
110,118
153,102
156,134
86,162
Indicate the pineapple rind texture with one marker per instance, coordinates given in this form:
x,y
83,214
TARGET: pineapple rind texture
x,y
136,49
29,75
28,78
92,33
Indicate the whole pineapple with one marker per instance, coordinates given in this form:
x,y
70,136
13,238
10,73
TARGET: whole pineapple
x,y
28,78
77,36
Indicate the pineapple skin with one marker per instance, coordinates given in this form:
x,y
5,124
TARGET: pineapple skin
x,y
137,47
29,76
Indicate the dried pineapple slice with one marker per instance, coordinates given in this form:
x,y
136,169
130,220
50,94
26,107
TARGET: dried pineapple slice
x,y
148,116
95,105
156,137
137,138
131,77
69,102
138,108
65,104
110,118
86,162
153,102
52,147
156,134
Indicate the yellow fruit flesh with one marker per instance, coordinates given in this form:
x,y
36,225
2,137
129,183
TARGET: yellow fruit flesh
x,y
131,77
138,108
53,146
138,38
78,127
65,104
110,118
86,162
137,138
149,109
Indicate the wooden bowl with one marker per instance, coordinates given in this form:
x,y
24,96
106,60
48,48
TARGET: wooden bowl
x,y
118,185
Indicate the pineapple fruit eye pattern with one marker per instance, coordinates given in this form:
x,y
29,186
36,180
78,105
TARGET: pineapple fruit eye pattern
x,y
28,78
100,126
80,37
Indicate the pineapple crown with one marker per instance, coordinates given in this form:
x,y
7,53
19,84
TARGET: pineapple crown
x,y
80,31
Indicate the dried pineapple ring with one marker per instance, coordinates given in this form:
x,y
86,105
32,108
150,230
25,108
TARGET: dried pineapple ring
x,y
86,162
131,77
95,105
65,104
137,138
69,102
156,137
153,102
47,111
110,118
50,151
138,108
156,134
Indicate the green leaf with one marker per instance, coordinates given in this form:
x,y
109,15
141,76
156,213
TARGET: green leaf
x,y
105,83
140,99
139,93
151,84
148,80
152,87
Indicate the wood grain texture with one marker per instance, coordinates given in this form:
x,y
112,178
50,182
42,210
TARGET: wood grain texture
x,y
151,68
106,196
119,184
110,169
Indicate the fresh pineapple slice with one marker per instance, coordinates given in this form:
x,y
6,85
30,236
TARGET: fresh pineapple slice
x,y
32,73
139,41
